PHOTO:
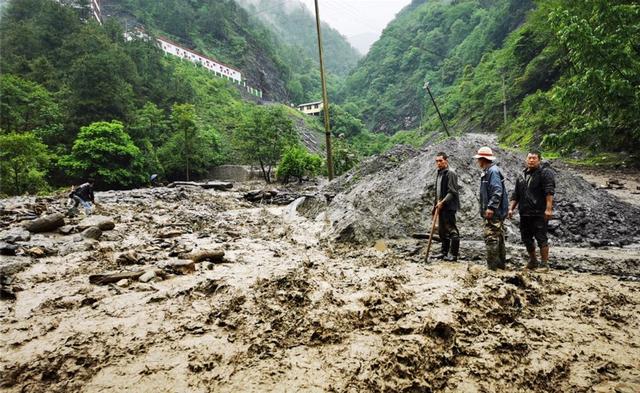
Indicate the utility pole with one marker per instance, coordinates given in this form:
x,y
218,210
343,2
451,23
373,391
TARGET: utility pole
x,y
426,86
325,99
504,100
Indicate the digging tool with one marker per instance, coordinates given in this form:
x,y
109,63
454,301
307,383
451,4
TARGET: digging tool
x,y
433,227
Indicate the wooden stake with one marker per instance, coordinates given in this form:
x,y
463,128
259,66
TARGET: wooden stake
x,y
433,227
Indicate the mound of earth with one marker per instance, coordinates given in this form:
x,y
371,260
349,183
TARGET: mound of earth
x,y
391,196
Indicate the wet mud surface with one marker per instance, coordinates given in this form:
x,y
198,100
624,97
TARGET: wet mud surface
x,y
289,310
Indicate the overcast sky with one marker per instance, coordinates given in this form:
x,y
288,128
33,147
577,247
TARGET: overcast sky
x,y
355,18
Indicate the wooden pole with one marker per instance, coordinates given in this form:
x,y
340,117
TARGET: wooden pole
x,y
325,99
433,227
426,86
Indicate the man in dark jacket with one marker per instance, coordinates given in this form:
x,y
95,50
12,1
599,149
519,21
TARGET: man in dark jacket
x,y
447,202
82,195
494,201
533,196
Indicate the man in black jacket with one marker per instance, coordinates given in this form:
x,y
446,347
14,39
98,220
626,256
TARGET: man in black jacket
x,y
533,196
447,202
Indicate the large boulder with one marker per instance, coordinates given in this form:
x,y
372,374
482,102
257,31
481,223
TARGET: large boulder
x,y
102,222
46,223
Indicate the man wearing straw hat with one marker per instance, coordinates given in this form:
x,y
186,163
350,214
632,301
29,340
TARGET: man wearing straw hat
x,y
494,205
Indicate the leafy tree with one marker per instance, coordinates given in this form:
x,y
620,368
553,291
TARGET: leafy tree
x,y
105,152
191,149
263,137
27,106
23,162
297,162
345,156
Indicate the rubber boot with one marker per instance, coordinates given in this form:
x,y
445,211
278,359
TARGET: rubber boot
x,y
544,257
455,248
493,255
532,263
502,254
444,250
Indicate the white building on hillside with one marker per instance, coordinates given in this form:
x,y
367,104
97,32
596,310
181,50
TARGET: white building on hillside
x,y
311,108
216,67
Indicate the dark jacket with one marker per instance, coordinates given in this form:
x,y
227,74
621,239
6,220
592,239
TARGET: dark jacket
x,y
531,197
449,190
493,193
84,191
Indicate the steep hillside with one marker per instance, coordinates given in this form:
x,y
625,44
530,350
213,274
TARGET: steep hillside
x,y
555,74
295,25
428,41
220,29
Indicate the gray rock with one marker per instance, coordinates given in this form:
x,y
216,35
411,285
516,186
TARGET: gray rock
x,y
67,229
7,249
92,233
47,223
13,265
15,235
553,224
147,276
102,222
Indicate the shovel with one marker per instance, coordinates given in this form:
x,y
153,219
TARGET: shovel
x,y
433,227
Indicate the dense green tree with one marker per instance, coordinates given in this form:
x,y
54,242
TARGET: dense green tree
x,y
27,106
105,152
263,136
297,162
23,163
191,149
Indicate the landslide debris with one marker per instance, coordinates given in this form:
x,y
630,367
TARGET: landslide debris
x,y
391,196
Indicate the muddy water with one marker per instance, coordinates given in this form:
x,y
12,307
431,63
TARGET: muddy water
x,y
288,312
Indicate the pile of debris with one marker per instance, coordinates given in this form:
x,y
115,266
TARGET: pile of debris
x,y
392,196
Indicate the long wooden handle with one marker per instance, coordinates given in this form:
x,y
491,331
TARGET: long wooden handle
x,y
433,227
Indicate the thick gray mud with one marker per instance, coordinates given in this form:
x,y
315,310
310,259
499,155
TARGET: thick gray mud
x,y
288,309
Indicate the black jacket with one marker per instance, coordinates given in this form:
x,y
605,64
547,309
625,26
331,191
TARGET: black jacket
x,y
84,191
531,197
449,186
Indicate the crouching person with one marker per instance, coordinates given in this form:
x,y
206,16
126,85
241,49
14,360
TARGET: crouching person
x,y
82,195
447,202
533,196
494,201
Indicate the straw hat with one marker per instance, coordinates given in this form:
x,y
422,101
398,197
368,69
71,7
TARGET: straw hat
x,y
485,152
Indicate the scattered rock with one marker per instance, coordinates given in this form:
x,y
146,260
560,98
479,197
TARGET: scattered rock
x,y
102,222
47,223
92,233
180,266
15,235
36,252
123,283
7,249
66,229
129,258
207,255
147,276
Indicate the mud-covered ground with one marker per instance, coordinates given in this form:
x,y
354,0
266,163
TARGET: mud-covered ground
x,y
286,312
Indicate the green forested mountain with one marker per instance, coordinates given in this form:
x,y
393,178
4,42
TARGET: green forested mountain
x,y
428,41
79,100
570,71
294,24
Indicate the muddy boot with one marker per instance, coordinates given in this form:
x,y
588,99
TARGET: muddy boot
x,y
544,257
532,263
493,255
502,254
444,250
455,248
